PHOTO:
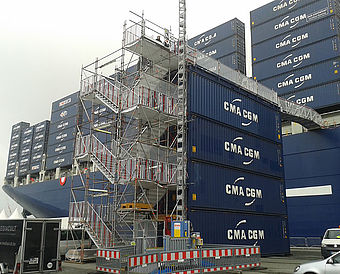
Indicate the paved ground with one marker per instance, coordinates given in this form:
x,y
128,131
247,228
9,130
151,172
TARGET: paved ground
x,y
272,265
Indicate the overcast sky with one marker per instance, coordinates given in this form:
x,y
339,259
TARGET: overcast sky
x,y
44,43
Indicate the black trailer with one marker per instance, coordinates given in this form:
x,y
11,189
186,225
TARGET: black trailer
x,y
30,245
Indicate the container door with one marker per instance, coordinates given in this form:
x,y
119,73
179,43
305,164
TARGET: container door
x,y
51,247
32,243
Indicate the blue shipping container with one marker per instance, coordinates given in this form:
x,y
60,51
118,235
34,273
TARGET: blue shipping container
x,y
304,78
23,171
10,173
294,20
59,161
35,167
225,47
64,124
268,232
325,28
318,97
221,32
38,147
65,102
37,157
26,150
11,164
19,127
217,143
220,100
61,148
28,132
297,59
42,127
65,113
235,61
40,137
13,156
211,186
62,136
24,161
276,8
26,141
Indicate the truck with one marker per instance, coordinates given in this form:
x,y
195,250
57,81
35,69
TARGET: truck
x,y
29,246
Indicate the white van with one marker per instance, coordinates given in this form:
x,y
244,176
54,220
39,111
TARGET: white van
x,y
330,243
71,239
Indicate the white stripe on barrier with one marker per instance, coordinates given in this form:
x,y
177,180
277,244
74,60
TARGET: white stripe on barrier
x,y
107,269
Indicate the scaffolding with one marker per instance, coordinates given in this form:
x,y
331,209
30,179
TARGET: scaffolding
x,y
127,142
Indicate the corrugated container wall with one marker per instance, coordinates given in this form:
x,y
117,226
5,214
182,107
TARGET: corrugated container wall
x,y
312,178
235,169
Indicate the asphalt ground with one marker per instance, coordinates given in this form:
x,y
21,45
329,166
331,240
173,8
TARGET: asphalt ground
x,y
272,265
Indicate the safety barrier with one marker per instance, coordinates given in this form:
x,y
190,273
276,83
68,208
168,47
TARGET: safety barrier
x,y
196,261
108,261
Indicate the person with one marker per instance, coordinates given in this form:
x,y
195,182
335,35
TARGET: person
x,y
159,38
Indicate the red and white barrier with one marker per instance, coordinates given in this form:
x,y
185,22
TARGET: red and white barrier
x,y
107,270
177,256
143,260
247,251
108,254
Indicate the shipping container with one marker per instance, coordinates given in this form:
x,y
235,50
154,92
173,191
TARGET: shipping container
x,y
270,232
220,100
276,8
61,148
59,161
319,97
26,141
65,102
10,174
24,160
308,77
37,157
70,122
221,32
297,59
65,113
28,132
13,156
19,127
42,127
225,47
216,187
42,136
39,146
11,164
294,39
294,20
23,170
235,61
25,150
14,147
62,136
218,143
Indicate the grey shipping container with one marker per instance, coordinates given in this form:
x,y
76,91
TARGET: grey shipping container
x,y
11,164
65,113
28,132
61,148
295,19
276,8
64,124
35,167
230,28
10,174
26,141
37,157
62,136
217,143
23,170
65,102
297,59
217,187
220,100
323,96
59,161
267,231
311,76
25,150
13,156
41,136
294,39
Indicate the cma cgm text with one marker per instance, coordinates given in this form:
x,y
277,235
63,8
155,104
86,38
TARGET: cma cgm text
x,y
287,41
237,149
285,4
241,112
290,22
240,234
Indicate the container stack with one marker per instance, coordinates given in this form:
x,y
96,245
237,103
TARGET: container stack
x,y
295,50
39,147
14,148
236,189
225,43
61,141
25,151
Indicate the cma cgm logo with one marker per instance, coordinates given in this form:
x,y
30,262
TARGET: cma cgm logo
x,y
296,81
284,4
236,189
65,102
236,148
205,39
290,22
292,41
295,61
238,233
301,101
249,116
